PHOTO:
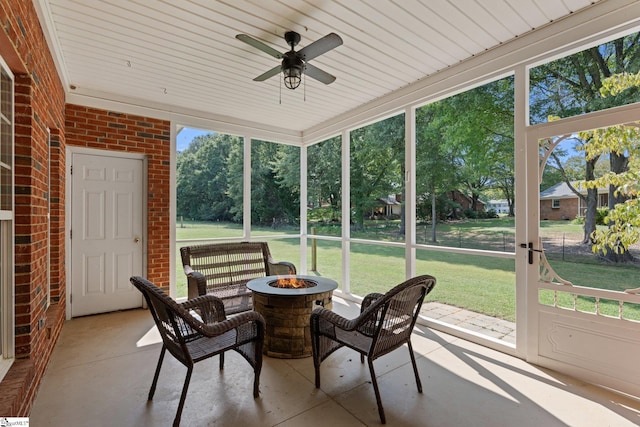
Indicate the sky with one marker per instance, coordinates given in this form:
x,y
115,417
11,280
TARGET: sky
x,y
186,135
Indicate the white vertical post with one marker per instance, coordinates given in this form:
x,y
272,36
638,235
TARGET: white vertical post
x,y
410,191
523,211
346,210
173,199
246,189
303,208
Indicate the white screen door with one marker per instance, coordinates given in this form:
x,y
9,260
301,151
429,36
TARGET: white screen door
x,y
106,232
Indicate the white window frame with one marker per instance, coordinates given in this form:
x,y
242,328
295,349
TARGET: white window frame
x,y
7,265
555,203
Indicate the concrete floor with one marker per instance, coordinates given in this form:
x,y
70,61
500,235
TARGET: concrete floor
x,y
103,366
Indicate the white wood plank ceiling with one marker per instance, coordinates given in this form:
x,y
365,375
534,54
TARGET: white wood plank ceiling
x,y
183,55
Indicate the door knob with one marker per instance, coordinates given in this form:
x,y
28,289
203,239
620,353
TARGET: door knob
x,y
136,240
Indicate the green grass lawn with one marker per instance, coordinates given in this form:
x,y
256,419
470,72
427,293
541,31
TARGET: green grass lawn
x,y
479,283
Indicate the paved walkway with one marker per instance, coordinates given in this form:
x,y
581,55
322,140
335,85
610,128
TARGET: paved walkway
x,y
476,322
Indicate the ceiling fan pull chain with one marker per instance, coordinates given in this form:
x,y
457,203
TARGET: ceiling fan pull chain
x,y
280,91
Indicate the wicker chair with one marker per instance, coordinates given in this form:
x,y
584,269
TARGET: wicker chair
x,y
384,324
191,340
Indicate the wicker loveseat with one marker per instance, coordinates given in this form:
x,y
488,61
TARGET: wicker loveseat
x,y
223,270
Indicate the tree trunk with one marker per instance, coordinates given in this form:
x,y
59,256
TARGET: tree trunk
x,y
592,202
434,216
619,163
403,206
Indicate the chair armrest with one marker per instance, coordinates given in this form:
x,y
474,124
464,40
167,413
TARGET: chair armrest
x,y
325,315
213,330
281,268
209,307
196,283
370,299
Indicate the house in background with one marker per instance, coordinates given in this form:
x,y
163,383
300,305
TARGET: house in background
x,y
465,202
389,207
559,202
500,206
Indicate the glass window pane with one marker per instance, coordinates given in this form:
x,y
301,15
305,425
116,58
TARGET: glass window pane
x,y
209,185
324,258
577,84
209,189
569,229
473,292
324,188
6,96
6,190
275,188
465,182
6,212
6,149
375,268
377,180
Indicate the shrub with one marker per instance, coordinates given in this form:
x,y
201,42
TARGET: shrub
x,y
601,214
470,213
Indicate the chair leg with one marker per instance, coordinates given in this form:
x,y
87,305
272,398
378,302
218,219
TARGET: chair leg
x,y
315,352
183,396
415,367
256,376
383,419
157,374
316,366
222,361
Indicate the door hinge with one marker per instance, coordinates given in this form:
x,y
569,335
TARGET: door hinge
x,y
70,234
530,251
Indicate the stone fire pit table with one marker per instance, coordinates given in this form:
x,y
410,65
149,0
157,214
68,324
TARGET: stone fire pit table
x,y
287,312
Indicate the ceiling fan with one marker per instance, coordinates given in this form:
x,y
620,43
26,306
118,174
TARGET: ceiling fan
x,y
294,64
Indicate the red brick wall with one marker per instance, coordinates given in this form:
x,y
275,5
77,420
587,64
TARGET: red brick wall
x,y
39,104
568,209
107,130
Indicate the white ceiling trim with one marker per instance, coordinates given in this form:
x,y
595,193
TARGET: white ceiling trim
x,y
186,117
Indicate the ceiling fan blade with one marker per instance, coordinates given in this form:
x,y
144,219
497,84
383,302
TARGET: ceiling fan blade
x,y
272,72
320,46
259,45
318,74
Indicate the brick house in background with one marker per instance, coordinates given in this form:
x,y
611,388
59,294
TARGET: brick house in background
x,y
464,201
559,202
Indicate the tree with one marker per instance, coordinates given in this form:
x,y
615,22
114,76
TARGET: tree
x,y
622,143
434,165
324,172
273,200
201,178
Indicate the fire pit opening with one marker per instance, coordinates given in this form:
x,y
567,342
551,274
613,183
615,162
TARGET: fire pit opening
x,y
292,283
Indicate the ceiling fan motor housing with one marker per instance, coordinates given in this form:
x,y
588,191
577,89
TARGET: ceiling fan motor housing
x,y
292,38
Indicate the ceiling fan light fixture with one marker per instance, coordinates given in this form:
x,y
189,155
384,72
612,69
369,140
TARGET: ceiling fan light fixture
x,y
292,68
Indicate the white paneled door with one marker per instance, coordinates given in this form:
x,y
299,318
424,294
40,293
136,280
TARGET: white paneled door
x,y
106,232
